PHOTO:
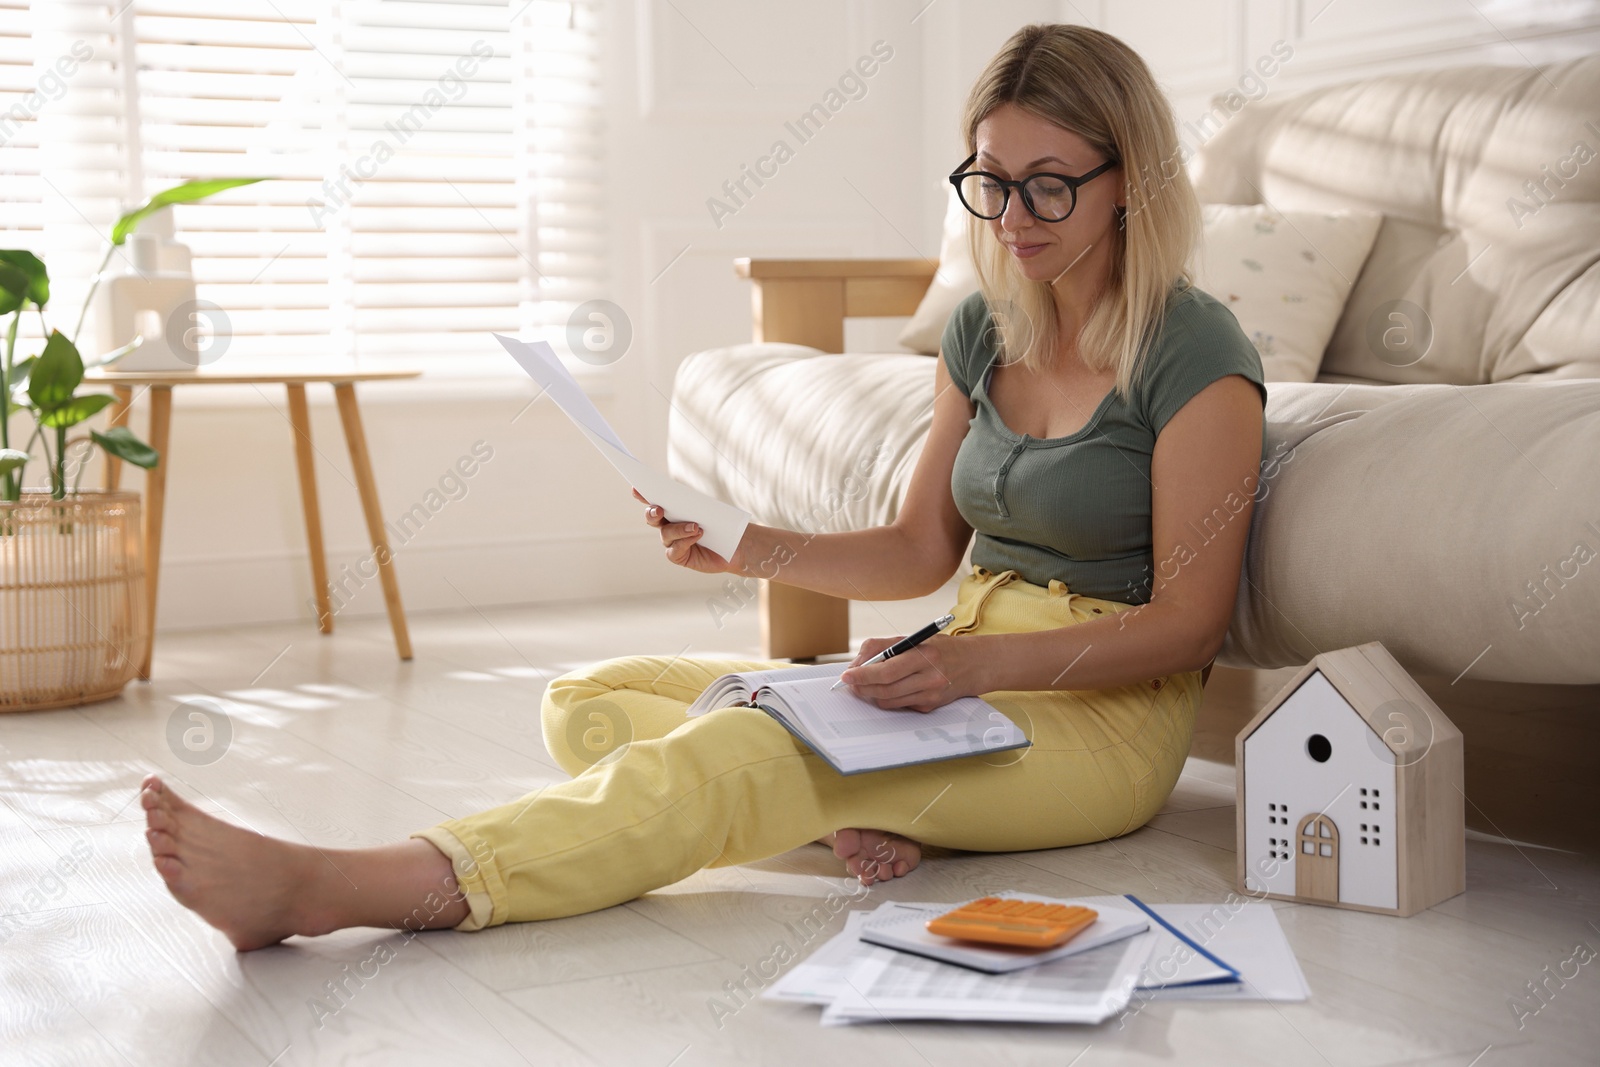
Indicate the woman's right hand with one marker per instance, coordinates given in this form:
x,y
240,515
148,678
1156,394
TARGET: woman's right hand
x,y
682,542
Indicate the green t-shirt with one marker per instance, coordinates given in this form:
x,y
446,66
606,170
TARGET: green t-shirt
x,y
1077,508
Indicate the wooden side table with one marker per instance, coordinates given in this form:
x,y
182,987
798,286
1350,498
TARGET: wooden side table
x,y
161,384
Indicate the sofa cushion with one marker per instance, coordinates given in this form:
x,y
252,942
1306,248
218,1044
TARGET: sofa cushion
x,y
800,439
1487,266
1446,522
1459,525
1285,277
953,282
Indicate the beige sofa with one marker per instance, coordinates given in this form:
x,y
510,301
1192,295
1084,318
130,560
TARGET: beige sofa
x,y
1449,507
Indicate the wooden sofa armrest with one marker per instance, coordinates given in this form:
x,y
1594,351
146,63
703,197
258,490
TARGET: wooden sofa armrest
x,y
805,301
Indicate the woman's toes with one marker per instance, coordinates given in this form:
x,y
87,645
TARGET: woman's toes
x,y
875,856
175,803
885,869
875,870
892,856
161,843
244,884
160,819
169,867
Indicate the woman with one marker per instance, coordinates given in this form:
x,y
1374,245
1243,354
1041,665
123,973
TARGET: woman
x,y
1098,423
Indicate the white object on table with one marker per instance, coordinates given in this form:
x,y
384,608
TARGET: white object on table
x,y
150,303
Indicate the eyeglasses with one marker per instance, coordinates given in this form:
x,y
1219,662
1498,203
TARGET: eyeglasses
x,y
1048,197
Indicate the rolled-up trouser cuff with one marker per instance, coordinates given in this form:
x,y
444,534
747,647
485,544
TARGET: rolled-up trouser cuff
x,y
479,881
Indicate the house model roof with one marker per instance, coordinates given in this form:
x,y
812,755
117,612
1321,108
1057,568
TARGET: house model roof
x,y
1377,688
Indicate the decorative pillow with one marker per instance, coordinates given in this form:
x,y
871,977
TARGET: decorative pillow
x,y
1284,275
954,281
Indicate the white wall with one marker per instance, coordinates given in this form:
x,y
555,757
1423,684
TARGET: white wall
x,y
698,88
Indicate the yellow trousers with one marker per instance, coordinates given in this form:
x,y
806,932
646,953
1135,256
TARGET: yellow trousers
x,y
657,796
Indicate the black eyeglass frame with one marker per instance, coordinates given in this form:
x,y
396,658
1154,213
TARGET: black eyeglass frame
x,y
961,173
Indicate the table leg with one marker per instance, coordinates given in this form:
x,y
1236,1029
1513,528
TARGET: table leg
x,y
119,417
350,416
155,503
300,419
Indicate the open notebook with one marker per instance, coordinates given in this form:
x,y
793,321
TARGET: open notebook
x,y
854,735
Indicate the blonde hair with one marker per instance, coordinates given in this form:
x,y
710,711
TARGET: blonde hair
x,y
1093,85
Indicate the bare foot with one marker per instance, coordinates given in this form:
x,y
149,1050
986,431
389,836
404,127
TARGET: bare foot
x,y
874,855
252,888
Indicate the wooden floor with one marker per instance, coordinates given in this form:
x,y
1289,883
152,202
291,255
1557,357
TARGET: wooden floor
x,y
335,742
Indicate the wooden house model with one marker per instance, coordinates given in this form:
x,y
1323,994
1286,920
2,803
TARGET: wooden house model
x,y
1350,790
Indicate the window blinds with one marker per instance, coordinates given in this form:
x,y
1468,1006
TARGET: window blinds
x,y
436,164
63,144
21,197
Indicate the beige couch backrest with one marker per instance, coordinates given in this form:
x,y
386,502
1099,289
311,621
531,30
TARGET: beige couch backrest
x,y
1488,261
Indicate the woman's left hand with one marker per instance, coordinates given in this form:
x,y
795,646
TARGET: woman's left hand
x,y
934,673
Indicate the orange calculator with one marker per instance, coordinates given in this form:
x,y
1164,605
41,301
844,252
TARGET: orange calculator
x,y
1020,923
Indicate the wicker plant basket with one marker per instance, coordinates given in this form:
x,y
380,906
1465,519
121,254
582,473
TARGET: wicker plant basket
x,y
72,615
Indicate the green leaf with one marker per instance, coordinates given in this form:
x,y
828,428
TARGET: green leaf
x,y
20,371
13,288
33,267
56,372
120,442
76,410
11,459
187,193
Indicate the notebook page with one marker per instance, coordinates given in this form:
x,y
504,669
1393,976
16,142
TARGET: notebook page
x,y
844,718
857,734
736,688
841,714
803,672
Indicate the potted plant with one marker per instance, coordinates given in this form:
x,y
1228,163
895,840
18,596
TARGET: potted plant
x,y
72,617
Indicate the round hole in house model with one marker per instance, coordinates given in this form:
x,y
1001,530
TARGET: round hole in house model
x,y
1318,748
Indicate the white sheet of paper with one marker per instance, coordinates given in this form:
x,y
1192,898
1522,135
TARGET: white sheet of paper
x,y
1086,988
542,364
723,523
1172,962
820,977
1250,939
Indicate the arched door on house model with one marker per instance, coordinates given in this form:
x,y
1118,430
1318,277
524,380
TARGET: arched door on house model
x,y
1316,859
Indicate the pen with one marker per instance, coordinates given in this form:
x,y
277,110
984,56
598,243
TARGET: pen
x,y
905,644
